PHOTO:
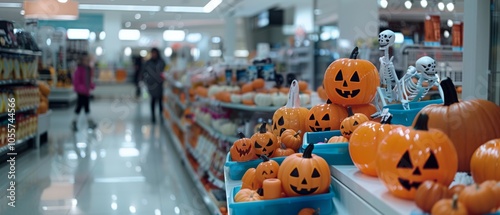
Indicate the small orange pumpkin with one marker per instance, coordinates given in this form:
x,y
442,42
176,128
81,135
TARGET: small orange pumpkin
x,y
283,151
449,207
290,116
303,86
264,142
337,139
246,88
247,195
248,180
485,162
291,139
325,117
478,198
428,193
322,93
242,149
455,189
349,124
266,169
258,83
308,211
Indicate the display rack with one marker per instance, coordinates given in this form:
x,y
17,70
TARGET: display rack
x,y
215,133
62,95
301,63
20,51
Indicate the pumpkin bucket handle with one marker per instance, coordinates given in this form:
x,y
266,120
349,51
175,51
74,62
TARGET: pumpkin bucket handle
x,y
308,151
449,92
293,95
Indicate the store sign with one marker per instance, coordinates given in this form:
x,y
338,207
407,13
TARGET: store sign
x,y
432,26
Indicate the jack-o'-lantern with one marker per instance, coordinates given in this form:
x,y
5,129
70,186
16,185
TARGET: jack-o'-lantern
x,y
325,117
266,169
352,122
264,142
248,180
291,139
290,116
304,174
351,81
283,151
407,157
242,149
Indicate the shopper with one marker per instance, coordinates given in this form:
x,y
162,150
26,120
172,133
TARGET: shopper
x,y
153,77
83,84
137,75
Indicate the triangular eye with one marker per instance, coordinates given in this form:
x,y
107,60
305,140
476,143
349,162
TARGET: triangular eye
x,y
432,162
270,143
355,77
315,174
281,121
342,127
326,117
355,123
312,117
271,172
257,145
405,161
264,172
275,126
339,76
295,173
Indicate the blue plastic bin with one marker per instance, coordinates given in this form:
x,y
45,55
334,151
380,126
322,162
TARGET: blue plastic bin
x,y
419,212
238,169
288,205
334,154
405,117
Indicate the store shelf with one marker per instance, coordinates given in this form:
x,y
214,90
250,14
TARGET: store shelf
x,y
176,99
19,143
235,106
207,198
174,118
229,184
363,194
215,181
20,51
21,110
17,82
215,133
173,82
62,95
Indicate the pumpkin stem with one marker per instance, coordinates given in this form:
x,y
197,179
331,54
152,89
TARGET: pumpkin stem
x,y
349,111
449,91
354,53
297,134
264,158
260,191
386,120
308,151
263,128
454,202
241,135
421,123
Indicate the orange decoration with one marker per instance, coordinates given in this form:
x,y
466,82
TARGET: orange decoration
x,y
428,194
290,116
456,189
246,88
248,180
266,169
303,86
242,149
291,139
283,151
449,207
308,211
325,117
271,188
366,109
349,124
478,199
485,162
258,83
247,195
264,142
322,93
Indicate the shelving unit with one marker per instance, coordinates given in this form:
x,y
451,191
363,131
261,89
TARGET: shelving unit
x,y
17,82
20,51
215,133
62,95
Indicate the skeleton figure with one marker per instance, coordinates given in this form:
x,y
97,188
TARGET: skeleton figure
x,y
425,71
388,77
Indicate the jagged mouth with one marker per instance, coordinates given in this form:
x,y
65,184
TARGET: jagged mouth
x,y
244,152
303,191
319,129
347,93
408,185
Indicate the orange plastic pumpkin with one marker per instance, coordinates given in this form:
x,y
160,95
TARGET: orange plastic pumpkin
x,y
246,88
364,142
264,142
325,117
308,211
223,96
485,162
351,81
428,193
449,207
258,83
266,169
366,109
349,124
43,107
247,195
455,189
337,139
304,174
407,157
285,90
202,91
248,180
478,199
44,88
291,139
322,93
290,116
242,149
468,124
303,86
283,151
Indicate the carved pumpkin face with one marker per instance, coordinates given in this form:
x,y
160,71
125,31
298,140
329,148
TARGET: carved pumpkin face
x,y
304,174
351,81
242,149
409,156
264,142
325,117
352,122
290,116
266,169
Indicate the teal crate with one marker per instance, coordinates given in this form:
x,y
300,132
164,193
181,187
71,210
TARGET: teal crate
x,y
419,212
334,154
288,205
405,117
238,169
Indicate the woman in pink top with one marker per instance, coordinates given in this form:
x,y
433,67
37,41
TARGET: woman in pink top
x,y
83,84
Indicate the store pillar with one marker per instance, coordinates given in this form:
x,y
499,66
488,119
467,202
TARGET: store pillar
x,y
476,49
111,44
229,40
358,19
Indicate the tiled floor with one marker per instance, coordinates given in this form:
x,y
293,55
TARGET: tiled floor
x,y
125,166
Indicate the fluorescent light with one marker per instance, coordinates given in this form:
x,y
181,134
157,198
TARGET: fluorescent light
x,y
99,51
120,7
446,34
78,34
193,37
449,23
215,53
13,5
195,52
423,3
450,6
408,4
216,39
102,35
398,37
128,152
211,5
129,34
48,41
168,52
92,36
137,16
127,51
441,6
143,53
174,35
384,3
241,53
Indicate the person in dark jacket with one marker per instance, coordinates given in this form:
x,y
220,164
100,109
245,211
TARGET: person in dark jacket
x,y
153,78
137,75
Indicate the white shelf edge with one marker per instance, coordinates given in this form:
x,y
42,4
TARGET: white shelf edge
x,y
175,118
230,185
214,209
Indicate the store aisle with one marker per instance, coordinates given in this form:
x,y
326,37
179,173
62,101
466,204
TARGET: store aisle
x,y
126,166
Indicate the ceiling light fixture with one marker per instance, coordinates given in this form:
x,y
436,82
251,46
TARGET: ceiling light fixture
x,y
408,4
208,8
450,6
11,5
384,3
174,35
129,34
193,37
120,7
143,27
78,34
423,3
102,35
449,23
128,24
441,6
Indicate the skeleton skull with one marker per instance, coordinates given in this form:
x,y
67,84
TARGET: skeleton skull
x,y
386,38
426,65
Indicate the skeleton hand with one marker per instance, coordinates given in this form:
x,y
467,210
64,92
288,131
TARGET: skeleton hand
x,y
411,71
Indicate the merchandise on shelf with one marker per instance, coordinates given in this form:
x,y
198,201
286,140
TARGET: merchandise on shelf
x,y
24,97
